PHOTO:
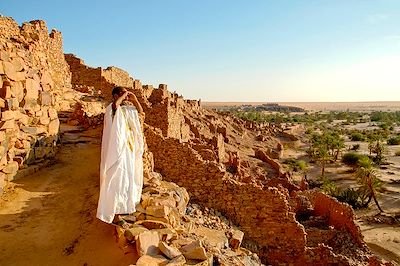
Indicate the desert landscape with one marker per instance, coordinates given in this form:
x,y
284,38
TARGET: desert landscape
x,y
223,183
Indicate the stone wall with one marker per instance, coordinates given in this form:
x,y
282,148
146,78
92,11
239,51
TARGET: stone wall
x,y
263,214
33,80
101,81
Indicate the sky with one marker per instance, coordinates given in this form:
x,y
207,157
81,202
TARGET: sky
x,y
244,51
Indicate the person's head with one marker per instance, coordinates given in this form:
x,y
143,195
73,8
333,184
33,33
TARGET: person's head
x,y
117,92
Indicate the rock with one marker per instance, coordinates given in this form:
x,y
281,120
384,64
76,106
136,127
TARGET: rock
x,y
194,251
32,89
11,72
45,98
18,64
236,238
54,126
215,238
11,168
152,260
151,224
166,234
46,79
7,115
5,92
132,232
168,251
147,243
17,91
52,113
160,211
177,261
9,124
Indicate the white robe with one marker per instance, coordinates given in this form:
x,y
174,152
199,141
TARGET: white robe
x,y
121,167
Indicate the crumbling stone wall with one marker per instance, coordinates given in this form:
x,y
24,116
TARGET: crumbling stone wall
x,y
33,79
102,81
338,214
263,214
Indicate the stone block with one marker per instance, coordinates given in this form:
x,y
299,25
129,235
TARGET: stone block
x,y
30,130
2,182
178,261
52,113
4,55
32,89
11,168
46,79
168,251
54,126
2,136
1,68
194,251
5,92
160,211
7,115
12,73
215,238
24,119
9,124
147,243
2,103
154,260
12,103
17,90
236,238
30,104
44,120
45,98
18,64
132,233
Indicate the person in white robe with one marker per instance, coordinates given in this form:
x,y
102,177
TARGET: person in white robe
x,y
121,167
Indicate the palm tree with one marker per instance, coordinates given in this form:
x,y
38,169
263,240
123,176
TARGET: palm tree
x,y
367,177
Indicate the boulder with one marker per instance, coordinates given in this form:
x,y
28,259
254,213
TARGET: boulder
x,y
194,251
236,238
215,238
147,243
133,232
32,89
159,211
177,261
152,260
168,251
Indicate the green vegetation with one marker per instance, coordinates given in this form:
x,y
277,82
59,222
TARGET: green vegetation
x,y
369,182
353,159
394,140
357,136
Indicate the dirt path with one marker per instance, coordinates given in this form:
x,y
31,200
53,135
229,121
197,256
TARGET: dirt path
x,y
48,218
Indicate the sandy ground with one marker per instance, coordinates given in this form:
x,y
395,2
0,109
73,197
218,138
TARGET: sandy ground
x,y
383,239
48,218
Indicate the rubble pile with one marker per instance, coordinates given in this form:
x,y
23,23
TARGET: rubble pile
x,y
166,231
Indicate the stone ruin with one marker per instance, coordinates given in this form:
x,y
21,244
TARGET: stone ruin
x,y
228,167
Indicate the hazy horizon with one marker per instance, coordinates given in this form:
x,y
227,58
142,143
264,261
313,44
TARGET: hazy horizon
x,y
277,51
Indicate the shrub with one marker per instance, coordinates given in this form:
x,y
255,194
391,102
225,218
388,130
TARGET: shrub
x,y
357,136
350,196
394,140
355,147
352,158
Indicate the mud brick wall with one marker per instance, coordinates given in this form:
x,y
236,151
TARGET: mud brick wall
x,y
263,214
33,78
